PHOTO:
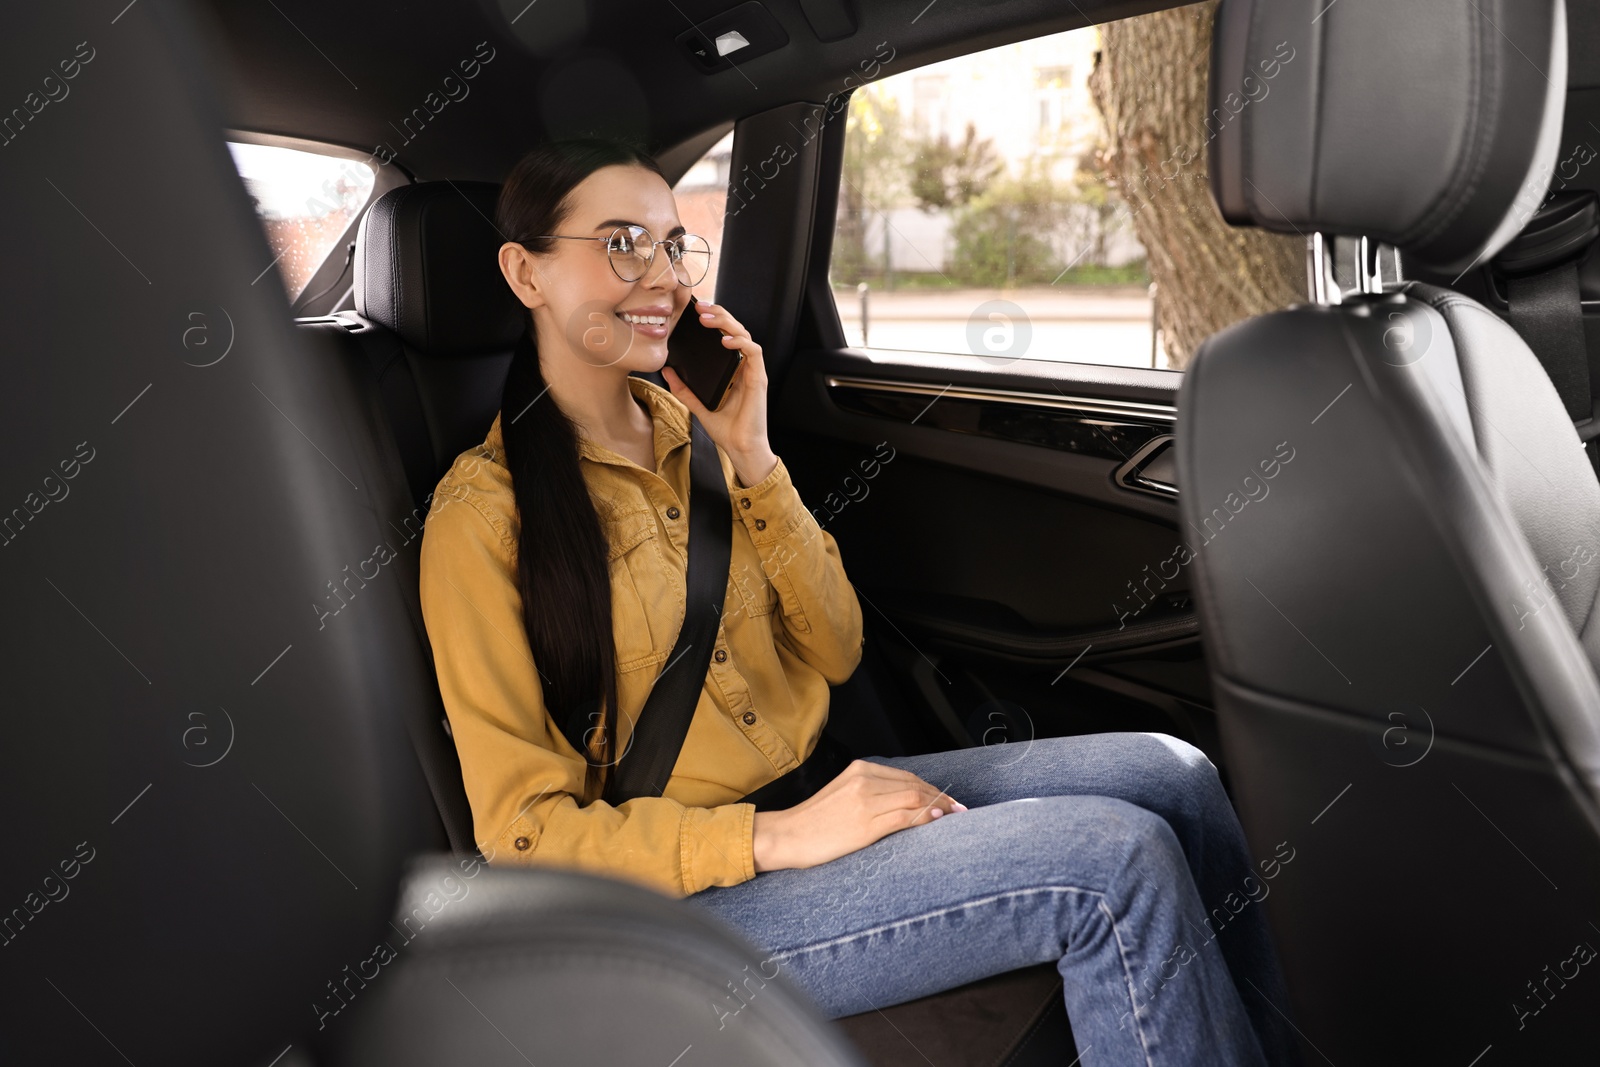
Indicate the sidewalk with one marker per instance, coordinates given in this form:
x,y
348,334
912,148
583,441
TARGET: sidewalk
x,y
1040,303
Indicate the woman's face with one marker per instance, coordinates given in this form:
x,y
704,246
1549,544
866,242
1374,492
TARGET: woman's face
x,y
584,301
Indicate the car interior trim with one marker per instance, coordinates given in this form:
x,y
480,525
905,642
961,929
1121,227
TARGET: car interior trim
x,y
1080,404
1140,471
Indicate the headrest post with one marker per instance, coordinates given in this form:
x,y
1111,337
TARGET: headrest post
x,y
1321,286
1369,268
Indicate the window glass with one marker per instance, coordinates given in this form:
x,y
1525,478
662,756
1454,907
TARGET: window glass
x,y
702,196
305,201
1032,200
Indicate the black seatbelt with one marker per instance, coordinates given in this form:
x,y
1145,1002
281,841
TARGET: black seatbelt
x,y
1540,270
1547,310
652,751
825,763
658,736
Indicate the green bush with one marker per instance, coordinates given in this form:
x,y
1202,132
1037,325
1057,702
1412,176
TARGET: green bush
x,y
993,251
1003,236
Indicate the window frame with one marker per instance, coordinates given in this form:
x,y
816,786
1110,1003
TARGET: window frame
x,y
678,161
822,323
312,301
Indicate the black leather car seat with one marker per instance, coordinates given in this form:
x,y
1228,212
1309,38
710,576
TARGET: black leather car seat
x,y
431,362
426,270
1396,540
434,318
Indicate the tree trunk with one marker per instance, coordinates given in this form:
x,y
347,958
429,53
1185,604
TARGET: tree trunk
x,y
1149,83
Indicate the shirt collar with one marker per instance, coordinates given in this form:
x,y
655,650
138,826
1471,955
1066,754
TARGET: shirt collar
x,y
668,414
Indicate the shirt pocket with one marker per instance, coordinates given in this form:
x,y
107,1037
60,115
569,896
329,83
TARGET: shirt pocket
x,y
756,595
638,571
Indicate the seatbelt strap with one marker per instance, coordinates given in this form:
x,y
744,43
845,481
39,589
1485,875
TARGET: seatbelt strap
x,y
646,762
1547,310
825,763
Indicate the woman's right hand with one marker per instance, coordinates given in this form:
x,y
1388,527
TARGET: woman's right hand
x,y
867,801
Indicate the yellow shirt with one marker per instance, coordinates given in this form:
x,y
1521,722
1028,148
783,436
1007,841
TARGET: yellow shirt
x,y
790,627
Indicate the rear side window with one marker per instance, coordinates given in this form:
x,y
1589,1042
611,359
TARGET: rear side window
x,y
702,198
1048,199
305,201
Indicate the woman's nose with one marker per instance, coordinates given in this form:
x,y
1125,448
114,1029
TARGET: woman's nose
x,y
660,275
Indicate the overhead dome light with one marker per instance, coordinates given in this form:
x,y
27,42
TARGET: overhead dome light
x,y
731,41
734,37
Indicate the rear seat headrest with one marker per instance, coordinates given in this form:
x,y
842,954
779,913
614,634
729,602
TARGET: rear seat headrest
x,y
1430,125
426,268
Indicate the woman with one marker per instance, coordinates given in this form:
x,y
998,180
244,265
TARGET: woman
x,y
552,587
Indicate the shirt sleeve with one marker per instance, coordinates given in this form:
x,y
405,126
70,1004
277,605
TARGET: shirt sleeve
x,y
821,615
524,780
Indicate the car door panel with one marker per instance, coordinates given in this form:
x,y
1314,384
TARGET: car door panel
x,y
979,514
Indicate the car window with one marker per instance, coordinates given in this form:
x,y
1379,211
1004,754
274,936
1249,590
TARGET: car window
x,y
305,201
1048,199
702,196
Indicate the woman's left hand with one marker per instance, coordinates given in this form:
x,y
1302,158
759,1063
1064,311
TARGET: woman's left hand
x,y
740,424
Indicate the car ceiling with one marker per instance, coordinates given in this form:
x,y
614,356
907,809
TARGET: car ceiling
x,y
348,72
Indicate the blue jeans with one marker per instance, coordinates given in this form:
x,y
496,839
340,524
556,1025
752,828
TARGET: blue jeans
x,y
1117,855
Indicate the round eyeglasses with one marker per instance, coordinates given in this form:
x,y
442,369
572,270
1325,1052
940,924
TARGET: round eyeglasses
x,y
632,250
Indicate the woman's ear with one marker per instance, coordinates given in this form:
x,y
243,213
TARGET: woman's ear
x,y
521,273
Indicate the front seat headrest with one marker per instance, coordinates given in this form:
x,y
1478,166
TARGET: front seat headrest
x,y
426,268
1430,125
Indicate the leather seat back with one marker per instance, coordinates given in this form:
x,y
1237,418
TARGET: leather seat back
x,y
430,347
1375,494
426,271
212,798
210,793
431,344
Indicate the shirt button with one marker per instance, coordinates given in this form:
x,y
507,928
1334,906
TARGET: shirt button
x,y
721,656
744,502
672,513
749,718
761,524
522,844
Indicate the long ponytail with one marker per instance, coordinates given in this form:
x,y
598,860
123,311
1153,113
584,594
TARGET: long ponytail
x,y
562,570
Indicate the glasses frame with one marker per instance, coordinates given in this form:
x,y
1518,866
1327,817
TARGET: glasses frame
x,y
654,244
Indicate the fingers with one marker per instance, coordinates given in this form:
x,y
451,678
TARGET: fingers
x,y
911,791
718,316
914,812
683,393
883,770
942,804
735,335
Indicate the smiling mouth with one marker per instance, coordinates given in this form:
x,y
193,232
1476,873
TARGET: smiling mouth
x,y
633,322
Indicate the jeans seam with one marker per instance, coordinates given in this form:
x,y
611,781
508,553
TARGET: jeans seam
x,y
1133,997
858,935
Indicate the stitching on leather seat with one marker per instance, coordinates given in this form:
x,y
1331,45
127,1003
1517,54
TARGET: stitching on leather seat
x,y
1450,208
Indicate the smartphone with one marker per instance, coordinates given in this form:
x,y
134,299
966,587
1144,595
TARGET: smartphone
x,y
696,352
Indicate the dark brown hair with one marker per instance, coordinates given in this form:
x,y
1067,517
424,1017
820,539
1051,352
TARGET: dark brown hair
x,y
562,570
